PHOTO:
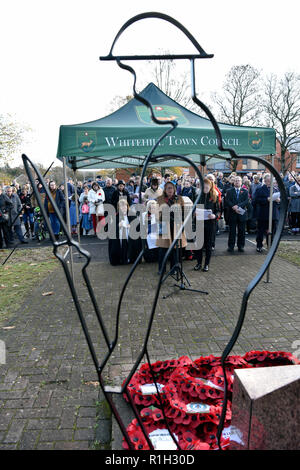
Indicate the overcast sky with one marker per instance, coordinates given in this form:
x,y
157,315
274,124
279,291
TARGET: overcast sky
x,y
49,55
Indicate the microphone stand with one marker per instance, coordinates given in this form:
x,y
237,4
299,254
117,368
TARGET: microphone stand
x,y
177,272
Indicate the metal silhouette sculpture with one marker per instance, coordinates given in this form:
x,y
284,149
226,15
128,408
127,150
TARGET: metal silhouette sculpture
x,y
109,392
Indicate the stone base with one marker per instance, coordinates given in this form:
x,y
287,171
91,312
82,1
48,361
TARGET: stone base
x,y
265,408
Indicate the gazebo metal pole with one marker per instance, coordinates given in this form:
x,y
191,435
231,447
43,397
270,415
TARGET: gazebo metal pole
x,y
68,214
76,205
270,218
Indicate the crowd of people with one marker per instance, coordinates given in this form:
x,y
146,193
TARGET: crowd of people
x,y
234,204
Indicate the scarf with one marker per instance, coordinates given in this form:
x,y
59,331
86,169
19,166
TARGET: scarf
x,y
50,207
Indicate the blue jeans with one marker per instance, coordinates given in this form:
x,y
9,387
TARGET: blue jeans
x,y
28,217
55,224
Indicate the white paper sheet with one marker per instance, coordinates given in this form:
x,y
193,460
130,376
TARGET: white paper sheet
x,y
151,241
275,196
162,440
150,389
241,211
203,214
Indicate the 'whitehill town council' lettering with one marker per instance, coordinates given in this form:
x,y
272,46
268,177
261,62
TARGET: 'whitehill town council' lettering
x,y
170,140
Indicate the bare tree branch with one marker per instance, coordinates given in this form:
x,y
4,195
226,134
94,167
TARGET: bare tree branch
x,y
238,104
281,106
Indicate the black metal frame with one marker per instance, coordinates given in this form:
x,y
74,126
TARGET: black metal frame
x,y
111,344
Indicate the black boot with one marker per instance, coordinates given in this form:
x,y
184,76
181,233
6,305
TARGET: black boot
x,y
27,234
32,230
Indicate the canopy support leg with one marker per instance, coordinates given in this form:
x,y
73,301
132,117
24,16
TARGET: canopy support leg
x,y
68,215
77,211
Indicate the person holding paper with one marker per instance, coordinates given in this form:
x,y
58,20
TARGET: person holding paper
x,y
209,199
237,200
168,228
96,198
262,200
211,177
150,223
122,247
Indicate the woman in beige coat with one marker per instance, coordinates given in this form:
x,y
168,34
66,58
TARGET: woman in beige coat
x,y
153,192
169,226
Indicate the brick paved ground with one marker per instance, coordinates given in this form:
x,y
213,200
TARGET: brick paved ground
x,y
48,398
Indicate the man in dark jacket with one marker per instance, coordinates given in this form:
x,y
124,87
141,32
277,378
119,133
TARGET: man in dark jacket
x,y
14,216
5,206
109,190
228,184
262,202
237,200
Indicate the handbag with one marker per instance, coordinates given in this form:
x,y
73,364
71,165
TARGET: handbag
x,y
99,209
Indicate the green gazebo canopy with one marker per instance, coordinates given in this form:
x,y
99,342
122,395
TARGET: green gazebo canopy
x,y
123,138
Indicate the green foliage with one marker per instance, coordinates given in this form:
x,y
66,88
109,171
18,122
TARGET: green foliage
x,y
11,137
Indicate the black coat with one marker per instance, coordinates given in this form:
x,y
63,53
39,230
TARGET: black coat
x,y
116,196
128,251
5,206
262,204
26,202
189,192
209,204
225,188
109,192
232,200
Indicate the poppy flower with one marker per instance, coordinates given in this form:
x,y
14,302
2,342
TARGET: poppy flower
x,y
157,415
190,441
138,439
184,361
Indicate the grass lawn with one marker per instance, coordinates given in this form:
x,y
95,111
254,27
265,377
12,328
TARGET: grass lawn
x,y
290,251
23,271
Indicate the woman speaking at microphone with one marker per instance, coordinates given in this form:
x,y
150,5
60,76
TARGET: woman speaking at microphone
x,y
209,200
169,226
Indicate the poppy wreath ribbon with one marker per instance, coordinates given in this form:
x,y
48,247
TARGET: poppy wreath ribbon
x,y
187,439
